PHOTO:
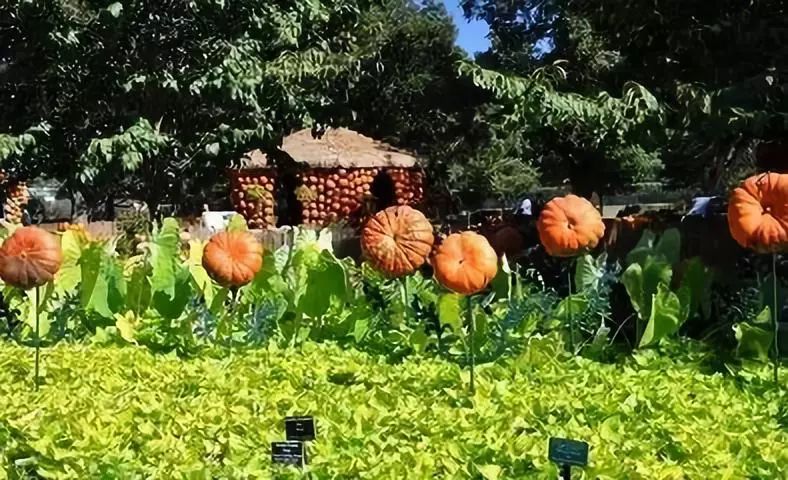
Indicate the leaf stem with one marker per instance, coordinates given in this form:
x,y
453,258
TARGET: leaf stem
x,y
38,338
472,334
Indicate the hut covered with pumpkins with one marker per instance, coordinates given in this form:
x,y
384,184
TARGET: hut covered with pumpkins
x,y
324,177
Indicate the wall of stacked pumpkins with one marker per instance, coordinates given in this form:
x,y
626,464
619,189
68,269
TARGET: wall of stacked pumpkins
x,y
326,195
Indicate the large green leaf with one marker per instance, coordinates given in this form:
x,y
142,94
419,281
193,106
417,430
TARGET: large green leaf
x,y
90,271
202,281
755,339
588,272
326,279
451,310
237,223
643,249
666,316
171,306
697,281
70,273
641,282
669,246
164,250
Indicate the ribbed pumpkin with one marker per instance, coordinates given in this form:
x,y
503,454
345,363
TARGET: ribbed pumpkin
x,y
758,213
233,258
30,257
465,263
397,240
569,226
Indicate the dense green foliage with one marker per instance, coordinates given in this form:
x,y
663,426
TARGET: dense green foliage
x,y
717,73
126,413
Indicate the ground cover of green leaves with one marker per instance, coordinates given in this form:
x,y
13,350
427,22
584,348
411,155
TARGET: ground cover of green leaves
x,y
122,412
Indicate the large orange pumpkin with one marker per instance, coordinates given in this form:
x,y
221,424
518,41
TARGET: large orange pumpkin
x,y
465,263
397,240
30,257
569,226
233,258
758,213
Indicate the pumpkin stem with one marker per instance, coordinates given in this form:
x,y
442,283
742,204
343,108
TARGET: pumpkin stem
x,y
471,333
38,339
569,308
776,316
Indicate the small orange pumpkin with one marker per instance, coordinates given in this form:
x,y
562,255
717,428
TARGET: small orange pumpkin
x,y
30,257
465,263
397,240
233,258
758,213
569,226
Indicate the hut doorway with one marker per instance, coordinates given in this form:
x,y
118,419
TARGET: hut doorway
x,y
288,206
383,189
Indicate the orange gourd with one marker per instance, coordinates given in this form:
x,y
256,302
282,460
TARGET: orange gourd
x,y
233,258
465,263
30,257
397,240
758,213
569,226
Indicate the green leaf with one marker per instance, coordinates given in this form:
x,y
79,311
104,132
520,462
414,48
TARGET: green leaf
x,y
127,326
326,279
164,259
697,281
666,317
70,273
202,281
90,271
171,306
587,273
669,246
641,283
451,308
237,223
490,472
755,339
643,249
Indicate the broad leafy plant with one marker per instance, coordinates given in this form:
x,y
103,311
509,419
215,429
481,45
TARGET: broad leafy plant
x,y
663,303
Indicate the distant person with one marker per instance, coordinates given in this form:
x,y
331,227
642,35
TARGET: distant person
x,y
703,206
525,208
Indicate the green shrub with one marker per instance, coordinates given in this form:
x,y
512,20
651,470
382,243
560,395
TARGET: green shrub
x,y
109,412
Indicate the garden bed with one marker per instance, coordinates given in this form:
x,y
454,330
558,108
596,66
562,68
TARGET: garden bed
x,y
124,412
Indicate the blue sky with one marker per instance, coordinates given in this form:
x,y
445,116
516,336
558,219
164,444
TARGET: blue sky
x,y
472,36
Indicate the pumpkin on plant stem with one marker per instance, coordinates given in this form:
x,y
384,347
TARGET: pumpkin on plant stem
x,y
30,257
397,240
465,263
233,258
569,226
758,213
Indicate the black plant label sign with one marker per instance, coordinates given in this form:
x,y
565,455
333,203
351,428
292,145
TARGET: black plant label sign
x,y
300,428
288,453
568,452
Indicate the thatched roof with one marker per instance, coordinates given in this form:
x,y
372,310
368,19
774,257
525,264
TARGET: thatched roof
x,y
337,147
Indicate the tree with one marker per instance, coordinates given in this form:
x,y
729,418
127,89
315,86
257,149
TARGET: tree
x,y
154,98
717,73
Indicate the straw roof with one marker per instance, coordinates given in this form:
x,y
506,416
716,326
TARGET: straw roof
x,y
337,148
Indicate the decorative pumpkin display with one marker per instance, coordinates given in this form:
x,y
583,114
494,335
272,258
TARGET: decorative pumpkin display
x,y
397,240
233,258
569,226
326,194
758,213
465,263
30,257
252,195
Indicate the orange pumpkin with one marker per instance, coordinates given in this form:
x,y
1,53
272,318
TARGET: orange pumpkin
x,y
397,240
30,257
233,258
569,226
758,213
465,263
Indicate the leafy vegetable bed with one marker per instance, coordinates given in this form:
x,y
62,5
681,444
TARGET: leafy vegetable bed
x,y
126,413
